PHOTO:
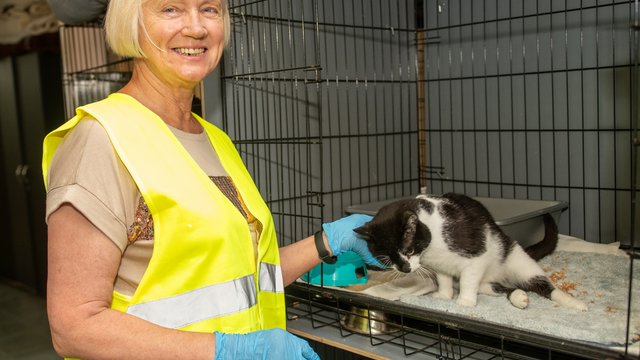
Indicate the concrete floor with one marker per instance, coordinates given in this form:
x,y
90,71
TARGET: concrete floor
x,y
24,330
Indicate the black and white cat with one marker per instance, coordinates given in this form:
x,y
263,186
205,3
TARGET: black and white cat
x,y
456,237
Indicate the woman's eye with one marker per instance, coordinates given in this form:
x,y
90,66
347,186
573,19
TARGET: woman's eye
x,y
212,11
170,10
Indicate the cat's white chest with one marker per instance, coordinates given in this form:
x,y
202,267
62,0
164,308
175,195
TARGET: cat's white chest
x,y
438,256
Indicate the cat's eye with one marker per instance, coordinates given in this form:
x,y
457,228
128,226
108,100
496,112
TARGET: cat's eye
x,y
409,252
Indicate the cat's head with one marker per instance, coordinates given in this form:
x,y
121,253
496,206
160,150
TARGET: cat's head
x,y
396,236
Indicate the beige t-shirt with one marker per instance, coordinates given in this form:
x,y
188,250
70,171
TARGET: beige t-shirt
x,y
86,172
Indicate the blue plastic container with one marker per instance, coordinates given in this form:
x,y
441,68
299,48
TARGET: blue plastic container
x,y
349,269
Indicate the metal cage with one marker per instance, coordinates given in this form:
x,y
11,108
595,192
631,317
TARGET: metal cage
x,y
90,71
333,103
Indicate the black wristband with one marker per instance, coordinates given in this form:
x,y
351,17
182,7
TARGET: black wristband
x,y
323,253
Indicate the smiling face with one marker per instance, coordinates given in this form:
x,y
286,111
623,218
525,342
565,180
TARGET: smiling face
x,y
182,40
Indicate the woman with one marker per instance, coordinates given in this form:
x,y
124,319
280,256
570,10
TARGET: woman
x,y
160,245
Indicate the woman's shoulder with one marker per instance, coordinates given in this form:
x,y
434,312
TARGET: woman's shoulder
x,y
86,172
86,148
86,135
217,134
89,127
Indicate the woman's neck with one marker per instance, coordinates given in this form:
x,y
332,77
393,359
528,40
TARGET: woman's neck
x,y
171,104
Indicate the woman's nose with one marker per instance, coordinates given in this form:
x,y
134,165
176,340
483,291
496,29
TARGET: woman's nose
x,y
194,26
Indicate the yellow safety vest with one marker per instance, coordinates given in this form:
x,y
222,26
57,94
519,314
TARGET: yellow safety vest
x,y
203,275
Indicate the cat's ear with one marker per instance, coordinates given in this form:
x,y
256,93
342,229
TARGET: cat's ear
x,y
410,225
363,231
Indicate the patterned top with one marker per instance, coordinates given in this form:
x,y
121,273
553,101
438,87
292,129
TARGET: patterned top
x,y
142,226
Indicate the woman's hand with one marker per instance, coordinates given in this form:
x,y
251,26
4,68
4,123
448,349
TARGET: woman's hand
x,y
263,344
341,237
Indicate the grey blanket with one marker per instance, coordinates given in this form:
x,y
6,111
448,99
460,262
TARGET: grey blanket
x,y
600,280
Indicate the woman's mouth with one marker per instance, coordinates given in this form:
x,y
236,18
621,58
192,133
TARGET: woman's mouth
x,y
190,51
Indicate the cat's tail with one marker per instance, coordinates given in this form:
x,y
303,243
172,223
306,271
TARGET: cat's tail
x,y
548,244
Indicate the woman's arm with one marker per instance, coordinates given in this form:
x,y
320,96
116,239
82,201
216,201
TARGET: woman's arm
x,y
83,264
299,257
338,236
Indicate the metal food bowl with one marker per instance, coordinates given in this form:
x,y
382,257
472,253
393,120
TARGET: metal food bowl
x,y
368,322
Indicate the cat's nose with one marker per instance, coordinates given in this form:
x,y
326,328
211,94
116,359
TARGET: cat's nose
x,y
406,268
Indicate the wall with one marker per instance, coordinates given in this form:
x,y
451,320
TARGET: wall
x,y
532,100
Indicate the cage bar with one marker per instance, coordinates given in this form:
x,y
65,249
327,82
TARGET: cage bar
x,y
334,103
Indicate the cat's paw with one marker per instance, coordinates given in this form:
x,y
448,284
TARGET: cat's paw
x,y
519,299
466,302
442,295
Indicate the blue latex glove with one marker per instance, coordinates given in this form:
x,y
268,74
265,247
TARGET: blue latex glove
x,y
342,238
264,344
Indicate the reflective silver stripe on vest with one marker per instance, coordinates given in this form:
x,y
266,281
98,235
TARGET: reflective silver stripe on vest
x,y
271,278
200,304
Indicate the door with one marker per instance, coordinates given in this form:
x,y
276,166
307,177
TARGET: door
x,y
30,105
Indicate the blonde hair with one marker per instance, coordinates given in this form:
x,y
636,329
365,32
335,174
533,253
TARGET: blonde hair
x,y
123,24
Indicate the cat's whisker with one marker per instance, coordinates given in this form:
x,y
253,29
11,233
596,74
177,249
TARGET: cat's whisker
x,y
385,260
397,274
424,273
